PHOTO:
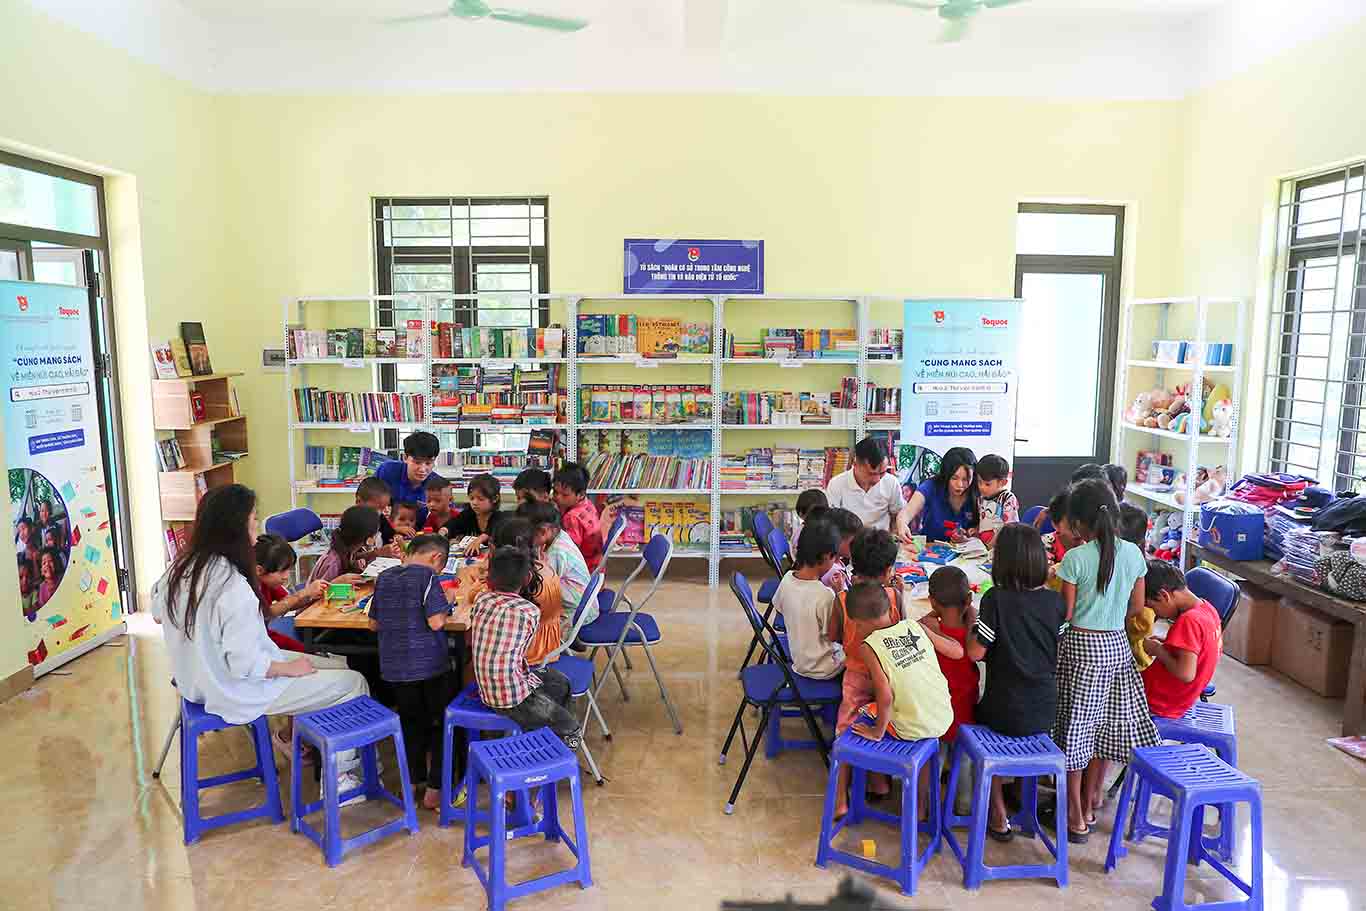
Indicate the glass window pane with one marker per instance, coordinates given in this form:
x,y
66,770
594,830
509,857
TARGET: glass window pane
x,y
42,201
9,265
1065,234
1061,330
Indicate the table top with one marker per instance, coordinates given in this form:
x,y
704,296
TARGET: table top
x,y
334,614
1259,573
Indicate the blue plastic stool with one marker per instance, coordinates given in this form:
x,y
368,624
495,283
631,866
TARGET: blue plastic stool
x,y
1192,778
359,724
469,712
518,764
903,760
1028,758
195,721
775,743
1209,724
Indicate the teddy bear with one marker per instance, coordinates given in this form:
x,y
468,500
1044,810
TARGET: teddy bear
x,y
1178,406
1210,485
1159,400
1140,410
1221,418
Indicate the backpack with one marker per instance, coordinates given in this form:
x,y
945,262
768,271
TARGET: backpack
x,y
1267,491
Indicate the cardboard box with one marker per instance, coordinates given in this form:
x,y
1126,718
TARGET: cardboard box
x,y
1249,635
1312,648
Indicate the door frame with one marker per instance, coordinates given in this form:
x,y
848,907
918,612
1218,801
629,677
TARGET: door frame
x,y
99,286
1110,268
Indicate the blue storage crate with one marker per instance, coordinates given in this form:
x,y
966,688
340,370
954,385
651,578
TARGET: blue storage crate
x,y
1232,528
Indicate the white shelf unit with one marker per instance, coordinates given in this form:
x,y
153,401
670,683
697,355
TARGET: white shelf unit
x,y
363,310
1186,319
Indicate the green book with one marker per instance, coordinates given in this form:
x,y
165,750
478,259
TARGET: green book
x,y
355,343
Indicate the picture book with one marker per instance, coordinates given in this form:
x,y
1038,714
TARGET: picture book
x,y
197,347
181,357
164,361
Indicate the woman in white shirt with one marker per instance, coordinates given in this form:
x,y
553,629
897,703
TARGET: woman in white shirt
x,y
209,608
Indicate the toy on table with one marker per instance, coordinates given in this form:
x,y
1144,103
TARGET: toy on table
x,y
939,553
911,573
341,591
361,606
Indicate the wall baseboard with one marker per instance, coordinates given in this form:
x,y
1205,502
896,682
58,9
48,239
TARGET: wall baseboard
x,y
16,683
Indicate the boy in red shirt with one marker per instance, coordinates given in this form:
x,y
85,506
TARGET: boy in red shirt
x,y
1184,662
578,515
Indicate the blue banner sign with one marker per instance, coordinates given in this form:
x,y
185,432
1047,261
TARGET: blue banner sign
x,y
667,266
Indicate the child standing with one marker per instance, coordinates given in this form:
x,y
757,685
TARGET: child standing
x,y
996,503
1102,715
952,616
1016,633
409,612
806,604
351,544
438,504
578,515
502,625
874,553
1184,662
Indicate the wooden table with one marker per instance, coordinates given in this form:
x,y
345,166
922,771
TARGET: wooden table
x,y
1258,572
314,621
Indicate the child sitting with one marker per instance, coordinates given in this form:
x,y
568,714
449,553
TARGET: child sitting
x,y
275,558
996,504
543,588
502,625
952,615
374,493
578,515
557,550
1061,540
479,518
1184,662
408,611
807,502
1016,633
911,695
404,520
532,486
350,549
438,504
805,604
874,553
1133,527
847,524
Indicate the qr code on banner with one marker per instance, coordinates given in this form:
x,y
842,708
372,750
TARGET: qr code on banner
x,y
31,419
931,409
988,409
75,412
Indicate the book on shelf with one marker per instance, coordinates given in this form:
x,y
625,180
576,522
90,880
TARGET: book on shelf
x,y
884,344
803,344
882,403
339,466
321,406
181,356
655,404
177,538
788,409
613,334
197,347
169,456
163,359
737,525
454,340
510,394
352,342
198,408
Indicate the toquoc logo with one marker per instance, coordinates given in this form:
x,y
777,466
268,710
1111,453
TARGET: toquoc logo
x,y
67,311
939,316
990,323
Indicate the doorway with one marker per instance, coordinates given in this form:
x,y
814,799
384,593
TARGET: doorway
x,y
1067,272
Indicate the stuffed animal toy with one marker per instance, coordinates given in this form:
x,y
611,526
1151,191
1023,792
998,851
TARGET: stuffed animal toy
x,y
1141,409
1214,394
1180,423
1210,486
1221,418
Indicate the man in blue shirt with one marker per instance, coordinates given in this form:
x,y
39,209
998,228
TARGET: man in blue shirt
x,y
407,477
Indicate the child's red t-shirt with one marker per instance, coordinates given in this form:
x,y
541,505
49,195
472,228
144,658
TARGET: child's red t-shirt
x,y
962,676
1198,630
268,597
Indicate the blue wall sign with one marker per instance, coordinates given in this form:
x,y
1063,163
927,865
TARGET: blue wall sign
x,y
666,266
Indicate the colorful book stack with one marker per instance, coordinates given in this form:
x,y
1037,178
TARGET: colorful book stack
x,y
355,343
452,340
686,523
647,459
788,409
604,404
760,469
737,526
612,334
340,466
496,394
321,406
778,344
884,344
882,403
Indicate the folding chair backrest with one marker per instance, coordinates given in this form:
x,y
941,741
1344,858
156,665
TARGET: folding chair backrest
x,y
768,638
590,596
778,548
294,524
1214,588
763,527
1030,514
613,535
659,550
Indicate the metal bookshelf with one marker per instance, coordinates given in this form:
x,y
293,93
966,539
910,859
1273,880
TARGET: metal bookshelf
x,y
364,311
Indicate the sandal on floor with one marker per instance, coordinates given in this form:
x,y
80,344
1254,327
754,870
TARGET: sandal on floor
x,y
1078,838
1004,836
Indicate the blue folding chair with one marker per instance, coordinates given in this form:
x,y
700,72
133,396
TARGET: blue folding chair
x,y
769,687
1030,515
294,524
579,671
768,538
1219,592
616,630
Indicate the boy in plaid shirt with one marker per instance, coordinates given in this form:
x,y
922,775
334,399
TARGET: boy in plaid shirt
x,y
502,624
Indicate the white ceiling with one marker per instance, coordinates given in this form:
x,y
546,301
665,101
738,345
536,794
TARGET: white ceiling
x,y
1047,48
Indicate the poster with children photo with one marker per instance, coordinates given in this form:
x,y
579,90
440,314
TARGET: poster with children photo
x,y
42,538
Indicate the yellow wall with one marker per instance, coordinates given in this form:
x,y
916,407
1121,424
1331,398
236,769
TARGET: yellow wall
x,y
1291,115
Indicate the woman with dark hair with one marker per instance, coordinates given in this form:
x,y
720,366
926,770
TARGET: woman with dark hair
x,y
221,657
945,503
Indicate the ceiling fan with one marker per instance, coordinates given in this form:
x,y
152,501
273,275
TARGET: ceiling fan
x,y
477,9
957,14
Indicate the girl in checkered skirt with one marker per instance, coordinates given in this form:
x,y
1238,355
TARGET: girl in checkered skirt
x,y
1102,712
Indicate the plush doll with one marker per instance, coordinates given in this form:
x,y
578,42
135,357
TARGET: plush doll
x,y
1209,486
1214,394
1141,409
1180,423
1221,418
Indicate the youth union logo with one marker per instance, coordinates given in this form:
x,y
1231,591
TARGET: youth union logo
x,y
23,303
939,316
694,254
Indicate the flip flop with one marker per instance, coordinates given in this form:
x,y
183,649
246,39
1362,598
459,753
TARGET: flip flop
x,y
1078,838
1003,837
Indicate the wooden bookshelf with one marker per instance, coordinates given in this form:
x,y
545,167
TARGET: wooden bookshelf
x,y
173,411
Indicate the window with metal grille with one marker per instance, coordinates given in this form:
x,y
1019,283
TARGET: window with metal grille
x,y
495,247
1316,355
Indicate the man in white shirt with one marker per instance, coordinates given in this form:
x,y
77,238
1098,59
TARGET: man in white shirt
x,y
868,489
